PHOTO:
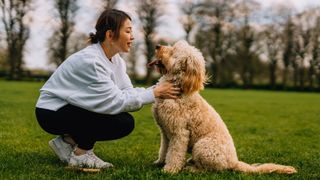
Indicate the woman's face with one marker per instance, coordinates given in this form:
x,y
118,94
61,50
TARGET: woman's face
x,y
124,42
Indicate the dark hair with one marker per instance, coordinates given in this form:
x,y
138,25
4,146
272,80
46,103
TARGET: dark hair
x,y
110,19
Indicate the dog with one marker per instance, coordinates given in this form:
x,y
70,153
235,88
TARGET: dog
x,y
190,123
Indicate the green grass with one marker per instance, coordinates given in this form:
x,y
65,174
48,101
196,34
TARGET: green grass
x,y
266,126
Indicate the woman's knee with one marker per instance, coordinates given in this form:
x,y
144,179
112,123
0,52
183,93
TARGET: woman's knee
x,y
47,121
128,121
109,127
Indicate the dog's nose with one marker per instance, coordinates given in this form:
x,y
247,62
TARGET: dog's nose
x,y
158,46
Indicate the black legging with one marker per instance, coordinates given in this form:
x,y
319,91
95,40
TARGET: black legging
x,y
85,127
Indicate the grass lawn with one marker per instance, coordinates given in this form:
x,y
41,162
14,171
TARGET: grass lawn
x,y
280,127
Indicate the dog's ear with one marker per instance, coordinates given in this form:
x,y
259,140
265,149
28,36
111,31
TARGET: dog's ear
x,y
193,67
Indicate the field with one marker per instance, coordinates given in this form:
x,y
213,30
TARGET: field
x,y
280,127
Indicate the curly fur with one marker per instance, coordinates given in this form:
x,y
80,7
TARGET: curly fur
x,y
189,122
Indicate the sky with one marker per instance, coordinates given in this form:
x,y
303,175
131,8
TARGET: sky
x,y
43,24
298,4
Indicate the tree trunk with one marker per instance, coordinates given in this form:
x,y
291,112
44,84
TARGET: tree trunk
x,y
272,69
149,56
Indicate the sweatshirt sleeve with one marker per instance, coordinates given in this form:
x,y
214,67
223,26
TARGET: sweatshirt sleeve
x,y
103,96
127,84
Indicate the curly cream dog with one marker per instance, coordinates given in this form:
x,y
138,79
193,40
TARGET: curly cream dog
x,y
189,122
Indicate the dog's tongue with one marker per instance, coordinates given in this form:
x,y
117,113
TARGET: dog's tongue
x,y
152,63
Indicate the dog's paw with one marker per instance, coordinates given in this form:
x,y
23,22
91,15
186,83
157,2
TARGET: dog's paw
x,y
191,169
171,170
159,163
288,170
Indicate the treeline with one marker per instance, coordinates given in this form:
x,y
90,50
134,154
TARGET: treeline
x,y
244,45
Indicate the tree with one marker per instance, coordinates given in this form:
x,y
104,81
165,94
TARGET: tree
x,y
288,41
302,41
188,20
288,55
109,4
3,63
132,62
245,55
318,73
273,46
14,18
59,42
215,32
247,39
315,58
149,12
303,46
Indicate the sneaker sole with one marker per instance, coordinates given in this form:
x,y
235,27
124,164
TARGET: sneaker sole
x,y
56,151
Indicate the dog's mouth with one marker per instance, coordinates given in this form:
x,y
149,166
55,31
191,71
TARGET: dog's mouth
x,y
159,65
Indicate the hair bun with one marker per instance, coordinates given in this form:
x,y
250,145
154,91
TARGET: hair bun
x,y
92,34
93,38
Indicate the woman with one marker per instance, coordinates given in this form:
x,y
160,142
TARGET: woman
x,y
88,97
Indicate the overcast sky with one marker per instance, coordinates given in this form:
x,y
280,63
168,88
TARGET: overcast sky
x,y
43,23
299,4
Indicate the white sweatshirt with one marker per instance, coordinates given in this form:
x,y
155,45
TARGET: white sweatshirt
x,y
88,79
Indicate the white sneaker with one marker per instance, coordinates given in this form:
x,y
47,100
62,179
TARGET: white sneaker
x,y
89,160
61,148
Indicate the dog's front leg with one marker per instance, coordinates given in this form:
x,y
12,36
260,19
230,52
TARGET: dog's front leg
x,y
178,145
163,149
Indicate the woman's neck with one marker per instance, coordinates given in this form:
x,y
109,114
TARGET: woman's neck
x,y
108,50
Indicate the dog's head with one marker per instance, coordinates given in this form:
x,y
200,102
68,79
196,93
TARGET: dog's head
x,y
184,62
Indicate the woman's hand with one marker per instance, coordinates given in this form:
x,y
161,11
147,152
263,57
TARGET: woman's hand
x,y
166,90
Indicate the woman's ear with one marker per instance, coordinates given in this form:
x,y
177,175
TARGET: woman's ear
x,y
194,75
109,35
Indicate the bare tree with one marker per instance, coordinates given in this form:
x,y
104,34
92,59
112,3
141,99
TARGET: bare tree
x,y
16,32
273,47
109,4
306,47
59,42
318,73
3,63
302,43
132,62
149,12
288,56
314,67
188,19
245,55
215,18
246,38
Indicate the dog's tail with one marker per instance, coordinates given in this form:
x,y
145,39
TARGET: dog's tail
x,y
264,168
